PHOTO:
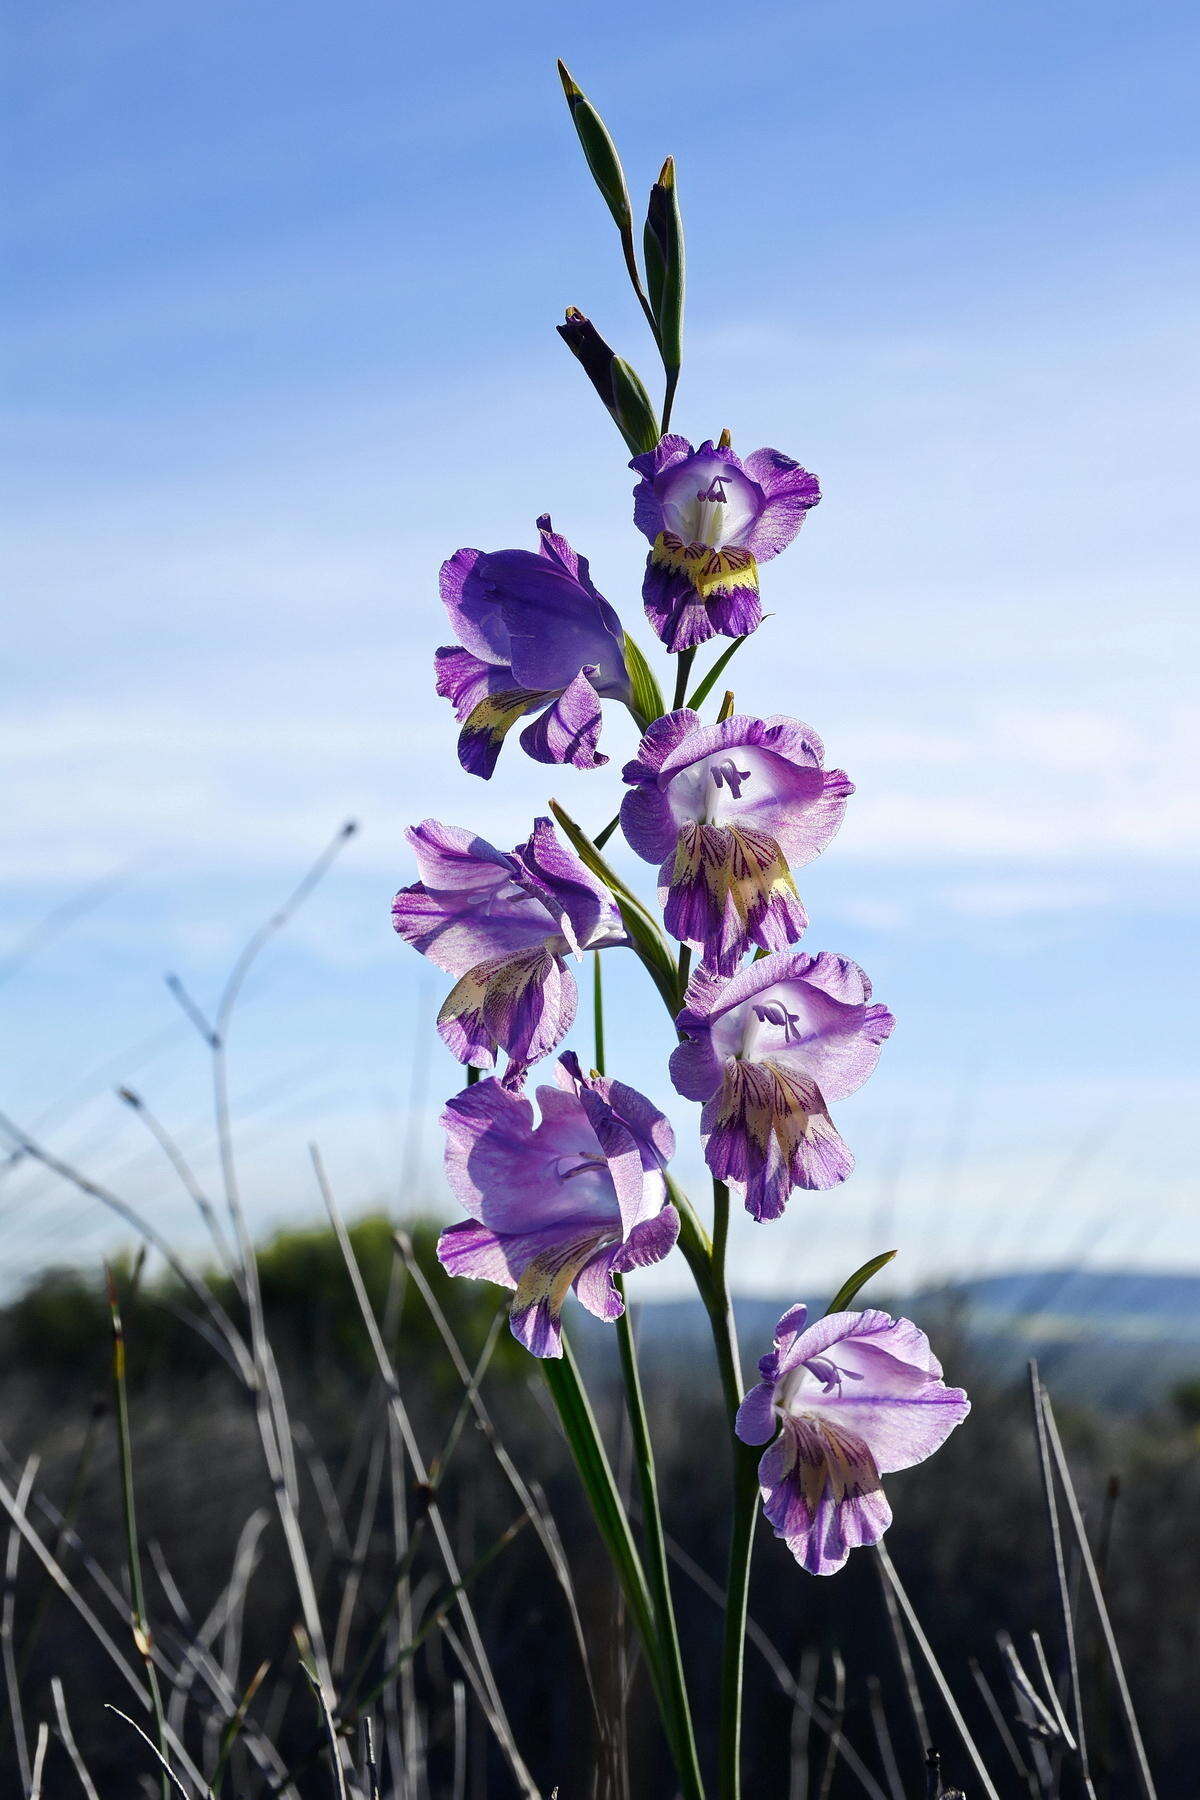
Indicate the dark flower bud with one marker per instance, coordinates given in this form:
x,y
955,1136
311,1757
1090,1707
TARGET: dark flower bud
x,y
618,385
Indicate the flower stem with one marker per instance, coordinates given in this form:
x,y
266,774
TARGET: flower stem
x,y
684,970
745,1510
598,1010
630,255
679,1726
678,1721
138,1621
683,670
669,399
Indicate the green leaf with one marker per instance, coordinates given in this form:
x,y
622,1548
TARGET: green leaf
x,y
859,1279
704,688
599,150
662,244
595,1472
647,703
644,934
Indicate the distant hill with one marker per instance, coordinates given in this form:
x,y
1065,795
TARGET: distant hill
x,y
1123,1340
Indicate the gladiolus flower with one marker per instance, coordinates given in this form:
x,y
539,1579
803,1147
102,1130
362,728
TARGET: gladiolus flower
x,y
853,1397
561,1205
728,811
535,637
711,518
766,1050
504,923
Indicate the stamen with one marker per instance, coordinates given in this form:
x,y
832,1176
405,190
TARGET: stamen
x,y
715,490
586,1161
727,774
830,1374
774,1012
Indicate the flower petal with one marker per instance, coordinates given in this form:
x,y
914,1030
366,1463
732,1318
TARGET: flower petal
x,y
790,494
524,1004
568,731
577,900
756,1422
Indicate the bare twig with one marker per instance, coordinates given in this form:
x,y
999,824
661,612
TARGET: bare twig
x,y
168,1773
1141,1765
39,1761
838,1711
801,1725
996,1714
935,1669
67,1739
481,1677
883,1738
1066,1610
7,1618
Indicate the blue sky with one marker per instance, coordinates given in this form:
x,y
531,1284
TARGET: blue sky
x,y
281,336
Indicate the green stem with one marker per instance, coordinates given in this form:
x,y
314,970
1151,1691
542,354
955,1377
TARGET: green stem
x,y
683,670
684,970
598,1010
595,1472
630,255
745,1510
669,399
679,1726
141,1629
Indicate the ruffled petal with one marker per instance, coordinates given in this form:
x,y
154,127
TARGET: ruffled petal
x,y
474,609
568,731
488,724
577,900
728,888
756,1422
466,908
523,1004
790,493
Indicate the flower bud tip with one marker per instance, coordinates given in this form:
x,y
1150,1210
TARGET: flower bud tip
x,y
666,177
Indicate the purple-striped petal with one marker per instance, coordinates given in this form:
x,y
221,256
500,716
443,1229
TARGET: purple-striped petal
x,y
523,1004
568,730
855,1396
565,1203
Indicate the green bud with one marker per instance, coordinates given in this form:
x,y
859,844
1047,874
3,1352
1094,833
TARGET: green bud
x,y
662,243
634,409
600,151
616,383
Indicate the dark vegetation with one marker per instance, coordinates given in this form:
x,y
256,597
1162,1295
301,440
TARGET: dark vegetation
x,y
970,1545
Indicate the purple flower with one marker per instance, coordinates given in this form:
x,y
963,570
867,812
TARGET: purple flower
x,y
766,1051
855,1396
567,1203
728,810
711,519
504,924
536,637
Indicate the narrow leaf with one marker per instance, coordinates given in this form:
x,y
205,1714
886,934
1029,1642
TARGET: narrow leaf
x,y
647,703
859,1279
644,934
704,688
